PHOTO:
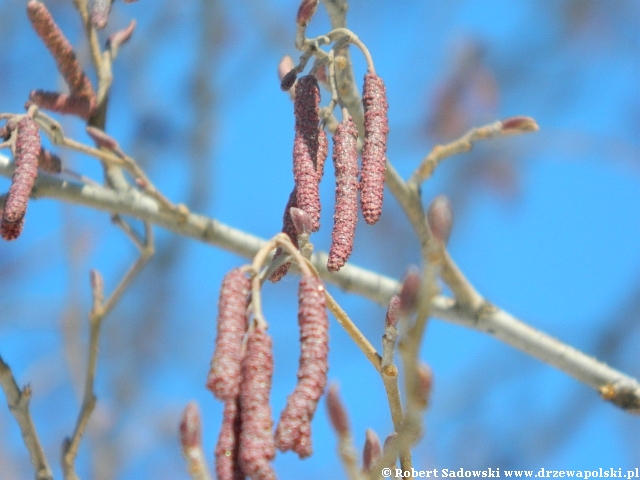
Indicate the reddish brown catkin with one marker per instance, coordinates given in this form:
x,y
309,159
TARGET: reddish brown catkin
x,y
26,158
226,452
224,375
323,151
78,105
257,447
289,228
305,147
60,49
376,130
345,218
294,429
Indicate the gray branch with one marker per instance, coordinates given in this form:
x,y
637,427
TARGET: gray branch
x,y
612,385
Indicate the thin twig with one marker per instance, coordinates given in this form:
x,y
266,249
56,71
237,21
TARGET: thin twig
x,y
18,401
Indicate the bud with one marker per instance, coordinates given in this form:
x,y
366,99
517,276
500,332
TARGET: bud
x,y
78,105
224,374
425,384
60,49
5,131
301,220
345,218
49,162
305,147
97,286
102,139
117,39
100,13
24,176
391,319
294,428
306,11
190,427
337,412
410,291
440,218
371,452
376,130
514,125
257,447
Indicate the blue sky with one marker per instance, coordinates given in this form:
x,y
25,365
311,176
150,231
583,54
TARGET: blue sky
x,y
547,227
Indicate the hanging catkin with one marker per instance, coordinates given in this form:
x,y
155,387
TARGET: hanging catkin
x,y
257,447
345,218
226,452
294,428
376,129
224,375
26,159
305,147
60,49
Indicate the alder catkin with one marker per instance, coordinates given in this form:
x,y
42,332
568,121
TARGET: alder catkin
x,y
289,228
294,428
345,218
26,160
224,374
376,130
323,151
305,147
257,446
78,105
226,451
60,49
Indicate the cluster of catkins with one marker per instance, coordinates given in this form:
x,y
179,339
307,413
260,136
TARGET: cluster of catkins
x,y
240,375
310,149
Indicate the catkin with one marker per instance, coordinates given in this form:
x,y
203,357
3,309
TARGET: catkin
x,y
345,218
305,147
226,452
224,375
289,228
376,129
49,162
60,49
78,105
26,159
294,428
257,447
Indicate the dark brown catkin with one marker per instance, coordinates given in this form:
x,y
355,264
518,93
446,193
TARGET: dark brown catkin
x,y
305,147
226,451
78,105
60,49
294,428
257,447
289,228
224,375
376,129
345,218
26,159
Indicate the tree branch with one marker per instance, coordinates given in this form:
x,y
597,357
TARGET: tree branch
x,y
613,385
18,401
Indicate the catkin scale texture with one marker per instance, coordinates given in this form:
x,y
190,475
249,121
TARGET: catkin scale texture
x,y
60,49
305,147
226,451
376,130
345,218
78,105
257,447
224,375
294,428
26,159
